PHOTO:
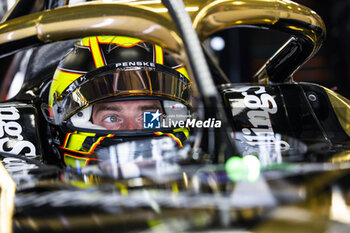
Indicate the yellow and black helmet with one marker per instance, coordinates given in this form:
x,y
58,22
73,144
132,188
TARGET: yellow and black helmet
x,y
106,69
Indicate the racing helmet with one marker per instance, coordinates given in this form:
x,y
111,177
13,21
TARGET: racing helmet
x,y
112,74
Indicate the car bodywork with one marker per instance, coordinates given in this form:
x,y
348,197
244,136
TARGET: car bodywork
x,y
297,132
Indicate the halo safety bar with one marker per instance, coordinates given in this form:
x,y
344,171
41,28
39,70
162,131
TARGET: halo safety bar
x,y
150,21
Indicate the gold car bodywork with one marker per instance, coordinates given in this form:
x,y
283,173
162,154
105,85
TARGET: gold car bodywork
x,y
149,20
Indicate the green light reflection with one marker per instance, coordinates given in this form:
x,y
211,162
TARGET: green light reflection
x,y
243,169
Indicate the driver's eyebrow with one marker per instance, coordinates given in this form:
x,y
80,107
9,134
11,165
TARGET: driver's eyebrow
x,y
103,107
150,107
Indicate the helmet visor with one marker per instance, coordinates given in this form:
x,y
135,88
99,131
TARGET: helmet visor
x,y
121,81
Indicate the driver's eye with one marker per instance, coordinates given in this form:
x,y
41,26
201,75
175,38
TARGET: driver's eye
x,y
111,119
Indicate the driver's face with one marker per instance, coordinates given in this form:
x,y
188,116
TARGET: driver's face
x,y
123,115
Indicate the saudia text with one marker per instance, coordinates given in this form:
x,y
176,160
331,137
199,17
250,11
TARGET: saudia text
x,y
9,128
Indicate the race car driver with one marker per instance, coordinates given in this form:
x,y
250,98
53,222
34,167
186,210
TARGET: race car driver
x,y
102,91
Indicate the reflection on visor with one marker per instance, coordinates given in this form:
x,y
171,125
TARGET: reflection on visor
x,y
101,84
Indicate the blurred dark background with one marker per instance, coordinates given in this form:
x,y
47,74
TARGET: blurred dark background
x,y
246,50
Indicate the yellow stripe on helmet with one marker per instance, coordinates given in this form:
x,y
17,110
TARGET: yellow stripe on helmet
x,y
75,161
184,130
74,142
96,52
122,41
159,54
183,71
84,42
61,81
